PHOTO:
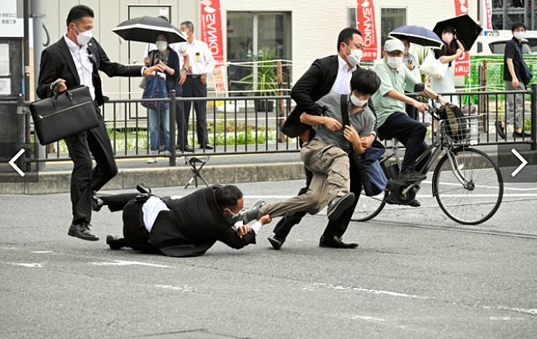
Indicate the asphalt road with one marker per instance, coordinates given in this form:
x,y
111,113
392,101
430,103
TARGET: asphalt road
x,y
416,274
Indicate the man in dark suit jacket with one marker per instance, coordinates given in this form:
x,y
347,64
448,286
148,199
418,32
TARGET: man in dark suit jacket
x,y
72,61
331,73
183,227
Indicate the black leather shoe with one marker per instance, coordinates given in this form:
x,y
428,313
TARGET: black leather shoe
x,y
185,149
414,203
500,129
521,134
335,242
276,242
207,147
82,231
114,242
338,205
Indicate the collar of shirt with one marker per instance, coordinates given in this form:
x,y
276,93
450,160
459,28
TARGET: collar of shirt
x,y
343,66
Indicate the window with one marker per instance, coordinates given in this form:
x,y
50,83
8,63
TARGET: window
x,y
250,33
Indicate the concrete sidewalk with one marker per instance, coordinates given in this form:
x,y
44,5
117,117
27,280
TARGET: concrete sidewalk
x,y
56,175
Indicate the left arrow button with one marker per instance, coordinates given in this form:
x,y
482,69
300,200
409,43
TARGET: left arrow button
x,y
12,162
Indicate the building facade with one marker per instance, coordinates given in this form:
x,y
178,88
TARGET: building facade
x,y
298,31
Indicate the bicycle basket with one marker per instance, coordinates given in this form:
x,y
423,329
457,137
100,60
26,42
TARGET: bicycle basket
x,y
462,129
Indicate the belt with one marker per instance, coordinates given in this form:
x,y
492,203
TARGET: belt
x,y
194,76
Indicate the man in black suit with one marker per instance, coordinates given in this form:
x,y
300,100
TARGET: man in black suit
x,y
331,73
72,61
185,227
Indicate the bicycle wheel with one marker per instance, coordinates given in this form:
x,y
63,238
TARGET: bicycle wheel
x,y
482,196
369,207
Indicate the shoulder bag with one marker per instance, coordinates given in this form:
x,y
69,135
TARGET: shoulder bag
x,y
433,67
64,114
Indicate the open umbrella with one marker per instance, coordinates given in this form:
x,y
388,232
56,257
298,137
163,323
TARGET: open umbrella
x,y
147,28
467,29
417,35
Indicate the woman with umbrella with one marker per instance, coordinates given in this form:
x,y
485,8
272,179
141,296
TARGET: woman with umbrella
x,y
168,60
452,49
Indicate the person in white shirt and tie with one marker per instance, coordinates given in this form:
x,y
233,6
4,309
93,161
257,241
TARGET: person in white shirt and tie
x,y
201,63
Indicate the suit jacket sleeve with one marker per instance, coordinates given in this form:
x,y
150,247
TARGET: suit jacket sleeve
x,y
113,68
47,74
306,85
231,238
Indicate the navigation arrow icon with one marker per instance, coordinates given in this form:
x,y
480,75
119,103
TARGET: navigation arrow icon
x,y
12,162
523,161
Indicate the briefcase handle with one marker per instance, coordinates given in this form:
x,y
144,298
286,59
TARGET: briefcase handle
x,y
67,92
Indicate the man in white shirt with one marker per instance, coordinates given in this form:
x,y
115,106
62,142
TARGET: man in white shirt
x,y
201,63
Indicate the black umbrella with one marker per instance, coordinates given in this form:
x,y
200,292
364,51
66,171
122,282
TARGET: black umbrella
x,y
417,35
147,28
467,29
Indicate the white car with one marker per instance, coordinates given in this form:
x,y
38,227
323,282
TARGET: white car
x,y
495,45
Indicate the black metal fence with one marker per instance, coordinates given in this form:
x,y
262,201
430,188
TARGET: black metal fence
x,y
246,125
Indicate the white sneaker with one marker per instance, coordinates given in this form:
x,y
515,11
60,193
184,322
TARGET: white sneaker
x,y
166,153
152,160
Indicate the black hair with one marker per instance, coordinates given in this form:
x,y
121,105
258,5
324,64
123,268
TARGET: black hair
x,y
346,35
188,25
365,81
228,196
518,25
78,12
450,29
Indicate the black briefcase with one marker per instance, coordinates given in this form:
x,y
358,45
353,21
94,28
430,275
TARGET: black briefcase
x,y
64,114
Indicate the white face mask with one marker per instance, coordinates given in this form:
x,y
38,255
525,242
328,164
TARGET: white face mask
x,y
357,101
83,37
355,56
447,37
395,62
519,35
162,45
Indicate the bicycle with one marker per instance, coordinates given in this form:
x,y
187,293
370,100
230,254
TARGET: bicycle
x,y
466,182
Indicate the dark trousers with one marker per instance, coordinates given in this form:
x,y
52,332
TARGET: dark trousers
x,y
335,227
135,235
85,179
181,119
409,132
193,88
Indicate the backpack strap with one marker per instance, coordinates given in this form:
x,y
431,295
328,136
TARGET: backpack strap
x,y
357,160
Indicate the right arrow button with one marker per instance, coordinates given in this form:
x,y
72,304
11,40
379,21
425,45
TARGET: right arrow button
x,y
523,161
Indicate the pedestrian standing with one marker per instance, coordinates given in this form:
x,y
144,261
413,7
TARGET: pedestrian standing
x,y
195,86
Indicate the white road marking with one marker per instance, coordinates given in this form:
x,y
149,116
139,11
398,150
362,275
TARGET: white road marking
x,y
30,265
127,263
531,311
41,252
177,288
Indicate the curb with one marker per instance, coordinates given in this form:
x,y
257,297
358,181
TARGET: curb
x,y
60,181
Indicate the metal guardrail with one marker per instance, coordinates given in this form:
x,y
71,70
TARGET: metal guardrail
x,y
237,125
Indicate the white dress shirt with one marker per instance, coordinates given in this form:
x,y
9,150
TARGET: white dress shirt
x,y
201,58
83,64
342,85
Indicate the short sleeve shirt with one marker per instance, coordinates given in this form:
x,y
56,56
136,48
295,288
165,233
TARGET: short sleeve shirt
x,y
362,121
513,50
400,79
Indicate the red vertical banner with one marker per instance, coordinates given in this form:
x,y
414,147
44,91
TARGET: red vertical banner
x,y
462,64
365,14
211,33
